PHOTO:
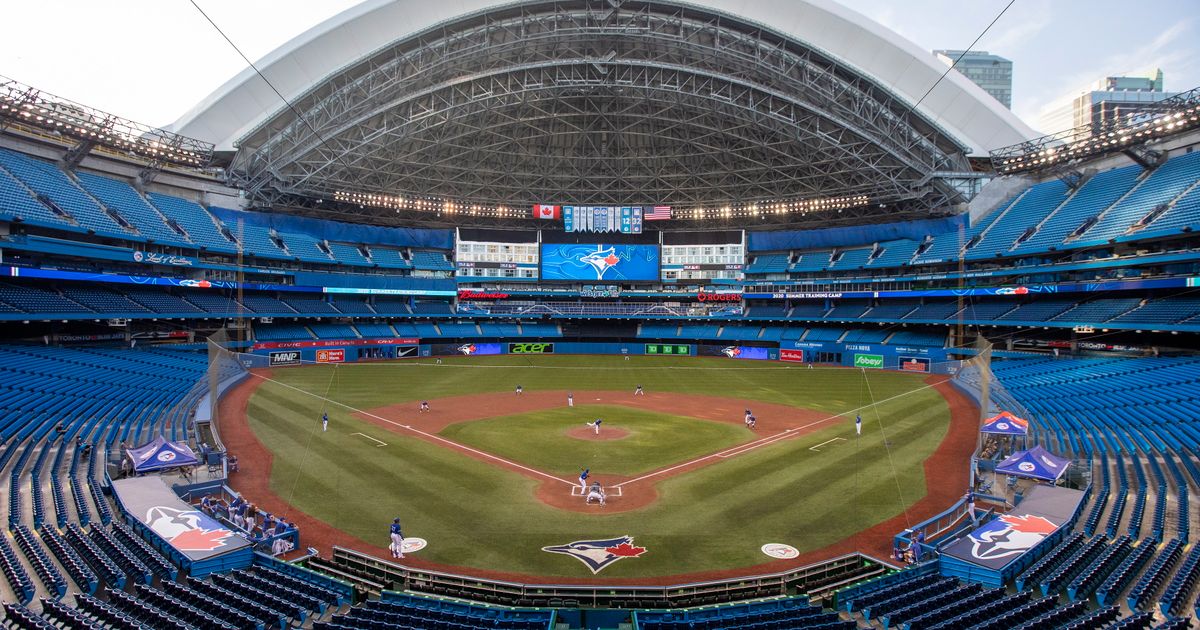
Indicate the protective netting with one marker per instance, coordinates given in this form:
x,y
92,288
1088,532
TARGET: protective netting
x,y
223,364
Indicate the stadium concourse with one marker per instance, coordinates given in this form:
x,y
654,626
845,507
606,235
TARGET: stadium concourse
x,y
965,353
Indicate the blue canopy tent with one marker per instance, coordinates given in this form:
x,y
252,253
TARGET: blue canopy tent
x,y
1005,423
1035,463
159,454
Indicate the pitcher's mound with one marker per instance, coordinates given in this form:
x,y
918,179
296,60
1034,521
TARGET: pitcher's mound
x,y
606,433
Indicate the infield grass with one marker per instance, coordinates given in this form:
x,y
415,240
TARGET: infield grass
x,y
477,515
540,439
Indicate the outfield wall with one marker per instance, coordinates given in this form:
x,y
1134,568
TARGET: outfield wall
x,y
856,355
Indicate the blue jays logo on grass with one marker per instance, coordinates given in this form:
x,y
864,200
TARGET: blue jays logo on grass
x,y
597,554
601,260
1009,535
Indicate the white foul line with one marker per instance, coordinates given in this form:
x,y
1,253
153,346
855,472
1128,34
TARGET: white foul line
x,y
771,439
378,442
428,435
814,447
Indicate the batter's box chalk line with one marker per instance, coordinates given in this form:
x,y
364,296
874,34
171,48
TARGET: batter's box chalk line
x,y
609,491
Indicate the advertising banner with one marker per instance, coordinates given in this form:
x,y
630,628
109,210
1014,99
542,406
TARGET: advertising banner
x,y
151,258
595,262
795,356
321,343
466,349
873,361
331,355
285,357
531,348
914,364
666,348
734,352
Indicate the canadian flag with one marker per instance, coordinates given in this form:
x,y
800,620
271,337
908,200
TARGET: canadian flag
x,y
541,211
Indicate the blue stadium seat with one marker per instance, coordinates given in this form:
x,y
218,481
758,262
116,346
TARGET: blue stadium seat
x,y
121,198
53,184
1160,186
1018,217
200,226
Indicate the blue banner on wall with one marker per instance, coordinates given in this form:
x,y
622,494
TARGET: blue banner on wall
x,y
1067,287
735,352
593,262
466,349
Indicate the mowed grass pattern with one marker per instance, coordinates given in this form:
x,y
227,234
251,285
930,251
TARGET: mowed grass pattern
x,y
477,515
539,439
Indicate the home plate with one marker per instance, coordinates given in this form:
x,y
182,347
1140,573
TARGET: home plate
x,y
775,550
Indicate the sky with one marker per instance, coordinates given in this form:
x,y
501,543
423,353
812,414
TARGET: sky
x,y
152,60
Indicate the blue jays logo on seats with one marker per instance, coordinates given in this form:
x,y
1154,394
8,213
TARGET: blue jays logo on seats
x,y
597,554
601,260
189,530
1009,535
731,351
467,348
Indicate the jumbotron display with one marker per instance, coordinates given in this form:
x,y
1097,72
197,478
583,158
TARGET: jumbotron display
x,y
595,262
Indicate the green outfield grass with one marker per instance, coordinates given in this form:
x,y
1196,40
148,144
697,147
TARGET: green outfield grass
x,y
655,440
477,515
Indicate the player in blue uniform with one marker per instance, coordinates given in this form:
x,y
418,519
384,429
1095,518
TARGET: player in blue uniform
x,y
595,424
583,478
397,546
325,421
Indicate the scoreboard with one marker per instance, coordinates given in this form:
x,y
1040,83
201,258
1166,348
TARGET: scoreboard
x,y
666,348
623,219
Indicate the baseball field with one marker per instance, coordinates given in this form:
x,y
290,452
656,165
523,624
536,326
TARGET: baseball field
x,y
489,478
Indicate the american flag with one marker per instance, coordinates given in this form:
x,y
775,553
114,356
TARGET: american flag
x,y
658,213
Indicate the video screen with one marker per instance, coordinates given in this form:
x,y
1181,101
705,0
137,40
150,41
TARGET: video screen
x,y
599,262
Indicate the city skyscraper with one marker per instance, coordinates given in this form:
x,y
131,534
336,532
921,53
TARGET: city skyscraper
x,y
1106,100
991,72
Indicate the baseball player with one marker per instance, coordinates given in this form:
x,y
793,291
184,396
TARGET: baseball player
x,y
583,478
595,424
397,546
751,422
747,418
325,421
520,390
570,399
424,406
595,493
858,424
638,391
438,361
